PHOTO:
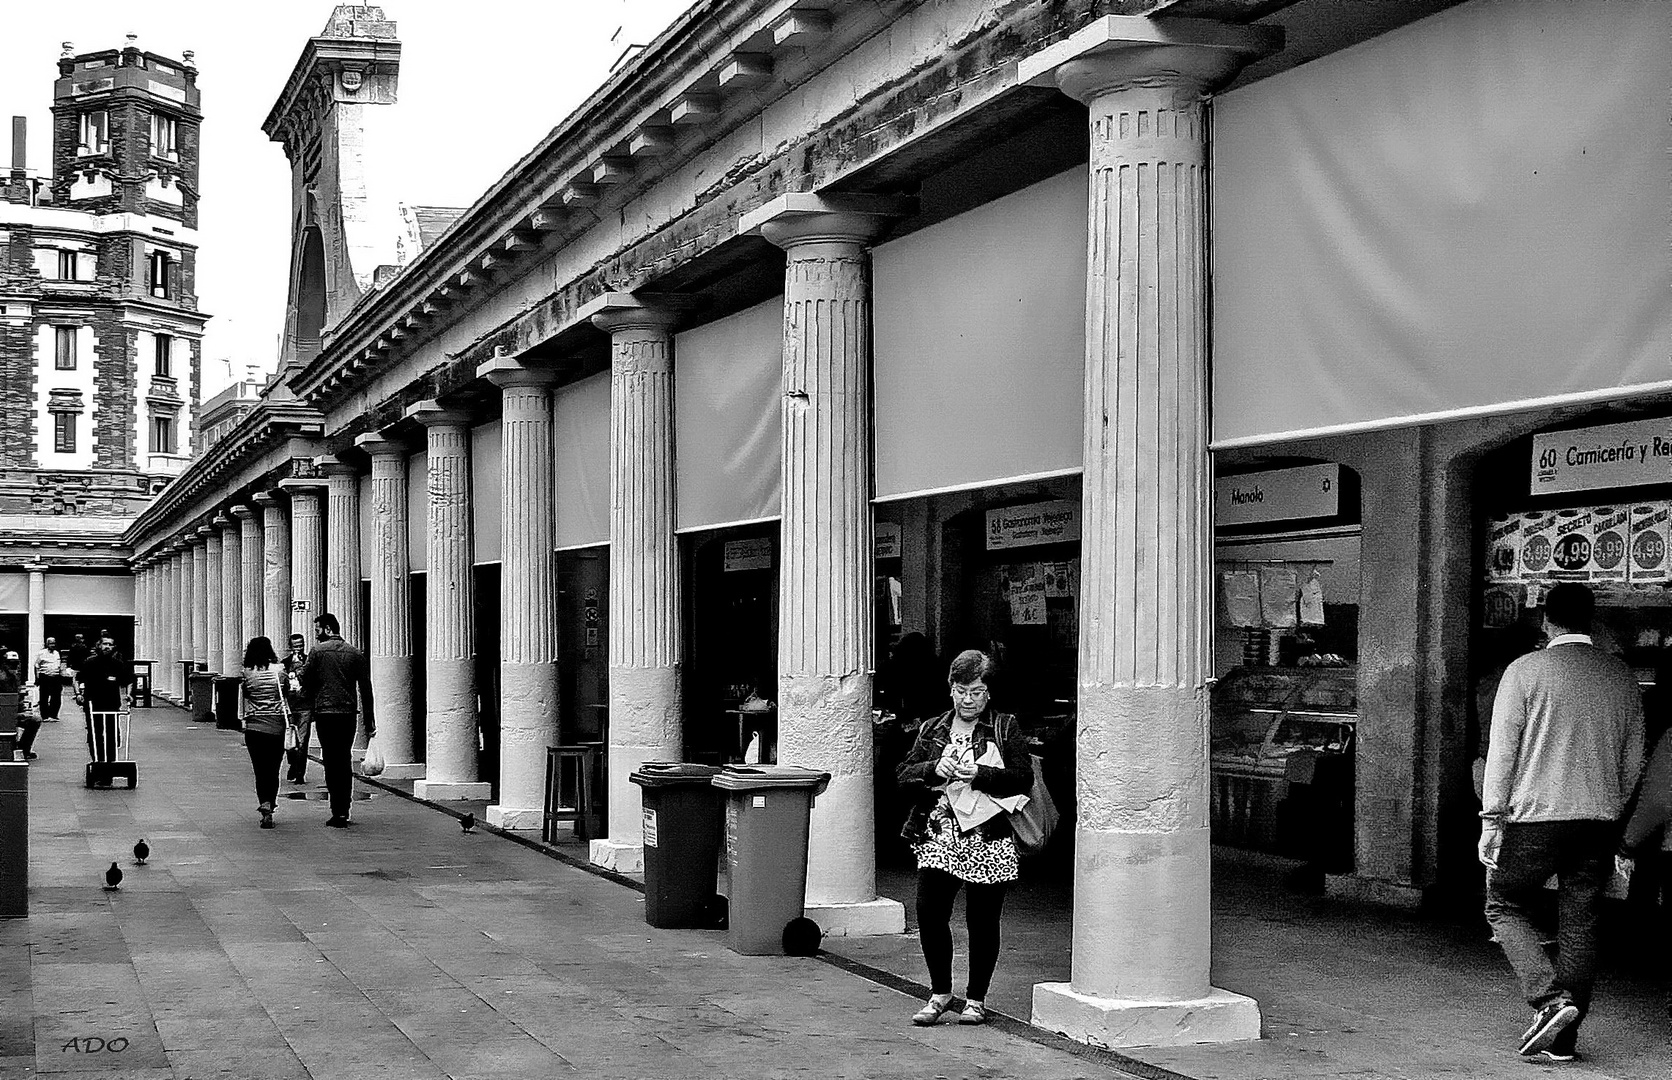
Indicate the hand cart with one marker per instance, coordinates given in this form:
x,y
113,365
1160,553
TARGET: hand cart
x,y
108,737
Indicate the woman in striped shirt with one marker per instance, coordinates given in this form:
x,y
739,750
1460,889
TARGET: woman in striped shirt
x,y
265,716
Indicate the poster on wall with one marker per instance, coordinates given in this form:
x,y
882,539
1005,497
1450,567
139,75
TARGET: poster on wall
x,y
887,540
1241,589
748,554
1538,539
1062,580
1609,526
1647,562
1279,594
1312,597
1503,548
1026,592
1570,550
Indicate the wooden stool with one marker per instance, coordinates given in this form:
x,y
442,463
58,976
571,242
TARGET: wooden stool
x,y
570,794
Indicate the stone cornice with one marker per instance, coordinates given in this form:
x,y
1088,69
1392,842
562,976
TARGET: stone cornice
x,y
323,56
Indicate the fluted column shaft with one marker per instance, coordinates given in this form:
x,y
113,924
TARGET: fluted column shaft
x,y
167,627
232,595
200,600
35,630
389,649
528,651
249,574
825,570
644,693
307,553
275,568
142,613
449,647
214,601
342,540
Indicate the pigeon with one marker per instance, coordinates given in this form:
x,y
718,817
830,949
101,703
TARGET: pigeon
x,y
801,937
468,822
142,851
113,877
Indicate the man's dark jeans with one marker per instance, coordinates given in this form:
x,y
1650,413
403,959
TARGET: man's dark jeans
x,y
1581,855
52,696
336,740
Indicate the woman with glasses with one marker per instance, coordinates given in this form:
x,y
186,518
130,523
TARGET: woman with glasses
x,y
981,859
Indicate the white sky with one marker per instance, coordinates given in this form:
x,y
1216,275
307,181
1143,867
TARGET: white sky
x,y
480,84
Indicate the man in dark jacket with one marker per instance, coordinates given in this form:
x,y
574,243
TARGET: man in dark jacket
x,y
99,681
331,675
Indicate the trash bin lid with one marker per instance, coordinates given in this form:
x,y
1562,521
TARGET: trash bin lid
x,y
672,774
759,777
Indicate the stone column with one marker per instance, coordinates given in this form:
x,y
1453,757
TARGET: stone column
x,y
307,553
142,615
35,635
200,597
528,616
342,548
214,602
275,568
389,648
249,574
232,595
1139,973
179,617
645,722
449,646
826,568
167,629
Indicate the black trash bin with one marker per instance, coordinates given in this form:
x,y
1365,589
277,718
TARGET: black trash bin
x,y
226,703
683,819
14,839
200,688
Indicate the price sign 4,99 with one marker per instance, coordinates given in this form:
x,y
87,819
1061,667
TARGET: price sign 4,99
x,y
1573,552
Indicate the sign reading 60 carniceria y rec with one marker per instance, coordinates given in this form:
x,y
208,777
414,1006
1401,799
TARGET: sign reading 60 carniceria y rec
x,y
1608,456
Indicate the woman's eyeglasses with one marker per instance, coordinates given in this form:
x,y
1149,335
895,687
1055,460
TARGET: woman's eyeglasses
x,y
970,693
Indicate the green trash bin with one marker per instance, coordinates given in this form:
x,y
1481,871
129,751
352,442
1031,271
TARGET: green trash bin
x,y
14,839
682,821
768,816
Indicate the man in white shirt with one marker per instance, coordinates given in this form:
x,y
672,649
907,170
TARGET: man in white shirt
x,y
1565,753
49,679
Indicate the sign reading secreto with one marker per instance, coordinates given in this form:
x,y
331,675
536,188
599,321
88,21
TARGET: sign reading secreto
x,y
1308,491
1607,456
1053,522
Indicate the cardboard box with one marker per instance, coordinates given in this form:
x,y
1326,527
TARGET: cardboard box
x,y
1649,536
1538,543
1610,526
1503,549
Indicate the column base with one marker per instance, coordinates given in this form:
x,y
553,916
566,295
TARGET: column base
x,y
869,919
622,858
1220,1017
515,820
442,791
413,771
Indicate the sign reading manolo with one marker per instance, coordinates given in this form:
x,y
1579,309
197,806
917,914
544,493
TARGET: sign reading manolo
x,y
1607,456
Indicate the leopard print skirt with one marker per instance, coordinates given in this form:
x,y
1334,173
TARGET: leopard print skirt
x,y
966,856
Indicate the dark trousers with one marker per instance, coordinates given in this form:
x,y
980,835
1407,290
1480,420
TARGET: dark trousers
x,y
303,723
336,739
983,905
266,751
101,735
52,696
1581,855
27,726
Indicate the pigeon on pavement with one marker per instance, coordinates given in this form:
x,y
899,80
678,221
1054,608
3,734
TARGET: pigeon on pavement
x,y
113,877
142,851
468,822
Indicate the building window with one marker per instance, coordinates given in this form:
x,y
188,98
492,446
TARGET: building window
x,y
63,432
162,435
64,348
163,136
66,265
161,265
165,356
95,133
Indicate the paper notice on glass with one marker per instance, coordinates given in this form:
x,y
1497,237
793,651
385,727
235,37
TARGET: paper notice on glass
x,y
1027,595
1242,597
1279,594
1312,598
1062,580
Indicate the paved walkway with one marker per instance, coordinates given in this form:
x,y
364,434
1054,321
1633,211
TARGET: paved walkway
x,y
403,948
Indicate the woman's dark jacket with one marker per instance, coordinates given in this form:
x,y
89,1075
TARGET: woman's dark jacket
x,y
922,787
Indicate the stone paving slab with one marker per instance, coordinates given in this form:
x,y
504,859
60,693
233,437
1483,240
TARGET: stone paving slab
x,y
399,948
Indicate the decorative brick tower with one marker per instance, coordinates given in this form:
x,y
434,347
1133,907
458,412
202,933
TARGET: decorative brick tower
x,y
99,329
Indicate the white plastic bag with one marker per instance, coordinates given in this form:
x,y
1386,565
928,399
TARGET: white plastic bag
x,y
372,763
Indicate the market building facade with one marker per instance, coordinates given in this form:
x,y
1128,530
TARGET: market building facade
x,y
819,325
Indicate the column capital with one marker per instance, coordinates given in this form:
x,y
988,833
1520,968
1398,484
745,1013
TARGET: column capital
x,y
380,446
202,534
808,218
36,567
222,522
302,485
241,512
336,466
432,413
265,500
506,371
1120,51
614,312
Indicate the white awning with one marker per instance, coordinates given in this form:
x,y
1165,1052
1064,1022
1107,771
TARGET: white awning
x,y
486,480
89,594
1465,216
980,344
14,593
418,511
367,538
581,466
728,418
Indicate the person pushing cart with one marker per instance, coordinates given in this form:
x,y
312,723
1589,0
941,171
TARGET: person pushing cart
x,y
99,683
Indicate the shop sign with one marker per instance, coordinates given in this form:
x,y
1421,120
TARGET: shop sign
x,y
1607,456
1054,522
1309,491
748,554
887,540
